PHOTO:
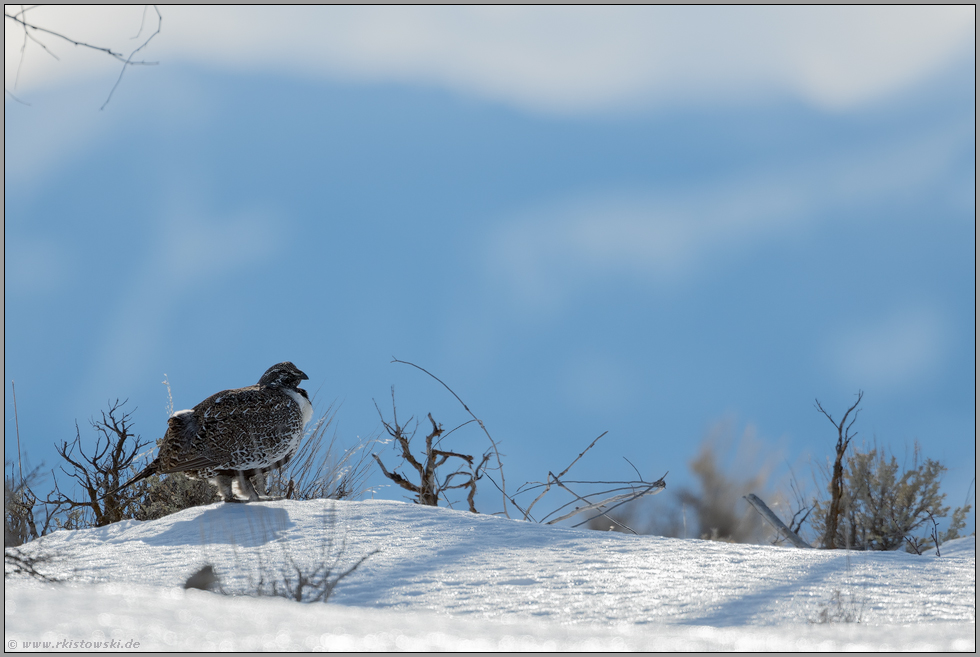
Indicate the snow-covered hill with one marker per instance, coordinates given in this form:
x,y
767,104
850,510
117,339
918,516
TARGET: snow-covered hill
x,y
446,579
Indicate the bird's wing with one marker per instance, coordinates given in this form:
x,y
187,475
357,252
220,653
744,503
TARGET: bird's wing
x,y
225,422
180,450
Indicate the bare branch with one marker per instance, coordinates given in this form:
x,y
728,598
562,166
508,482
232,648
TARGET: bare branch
x,y
395,477
16,18
129,60
591,445
142,21
589,506
844,438
28,27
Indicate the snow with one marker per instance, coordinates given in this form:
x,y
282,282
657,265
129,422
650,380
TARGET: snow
x,y
451,580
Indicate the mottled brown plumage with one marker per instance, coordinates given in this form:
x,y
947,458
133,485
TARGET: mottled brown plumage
x,y
236,437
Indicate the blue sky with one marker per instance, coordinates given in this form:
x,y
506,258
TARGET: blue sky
x,y
653,222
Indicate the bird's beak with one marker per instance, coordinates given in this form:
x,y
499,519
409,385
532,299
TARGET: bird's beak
x,y
302,376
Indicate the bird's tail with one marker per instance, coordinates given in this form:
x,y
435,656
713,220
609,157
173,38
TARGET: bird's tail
x,y
148,471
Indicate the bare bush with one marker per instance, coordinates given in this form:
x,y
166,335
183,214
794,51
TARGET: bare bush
x,y
100,473
308,583
18,516
874,503
17,561
19,501
492,450
430,488
19,527
431,485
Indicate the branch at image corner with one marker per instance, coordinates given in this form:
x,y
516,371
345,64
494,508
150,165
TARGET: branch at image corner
x,y
28,27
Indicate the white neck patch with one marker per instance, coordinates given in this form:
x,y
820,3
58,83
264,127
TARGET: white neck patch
x,y
304,405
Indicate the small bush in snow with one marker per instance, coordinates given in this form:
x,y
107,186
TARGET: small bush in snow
x,y
17,561
884,505
175,492
307,583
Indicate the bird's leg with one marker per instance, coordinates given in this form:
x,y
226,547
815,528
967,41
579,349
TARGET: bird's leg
x,y
245,487
223,484
259,480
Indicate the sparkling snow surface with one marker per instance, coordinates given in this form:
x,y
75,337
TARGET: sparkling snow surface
x,y
453,580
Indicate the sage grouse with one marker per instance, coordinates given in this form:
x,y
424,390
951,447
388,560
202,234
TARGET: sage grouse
x,y
235,437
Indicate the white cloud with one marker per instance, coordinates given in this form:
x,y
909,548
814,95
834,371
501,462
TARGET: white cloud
x,y
889,352
541,254
551,59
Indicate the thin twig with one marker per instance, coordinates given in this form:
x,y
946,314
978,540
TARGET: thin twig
x,y
8,92
527,513
142,23
20,466
590,506
653,489
129,60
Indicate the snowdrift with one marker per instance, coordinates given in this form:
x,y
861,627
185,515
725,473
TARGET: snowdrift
x,y
452,580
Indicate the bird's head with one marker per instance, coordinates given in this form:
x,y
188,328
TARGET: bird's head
x,y
282,375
